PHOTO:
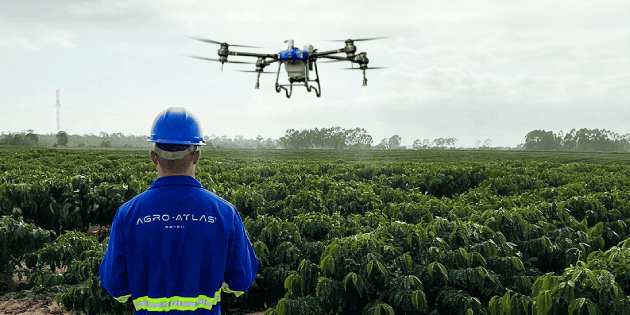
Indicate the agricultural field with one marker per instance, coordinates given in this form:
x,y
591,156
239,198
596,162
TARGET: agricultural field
x,y
343,232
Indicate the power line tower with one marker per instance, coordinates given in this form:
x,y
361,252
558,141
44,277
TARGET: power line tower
x,y
58,115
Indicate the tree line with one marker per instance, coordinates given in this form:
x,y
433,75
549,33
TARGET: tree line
x,y
335,138
27,139
326,138
583,140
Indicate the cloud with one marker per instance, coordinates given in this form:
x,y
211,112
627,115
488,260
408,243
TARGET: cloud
x,y
34,38
480,69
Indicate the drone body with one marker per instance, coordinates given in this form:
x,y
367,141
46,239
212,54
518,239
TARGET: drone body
x,y
298,63
295,60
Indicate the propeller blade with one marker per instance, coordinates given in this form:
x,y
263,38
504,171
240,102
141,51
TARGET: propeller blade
x,y
215,42
334,60
255,71
370,68
204,40
202,58
210,59
230,61
355,40
245,46
373,38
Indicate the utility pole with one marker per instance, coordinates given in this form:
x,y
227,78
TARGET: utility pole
x,y
58,115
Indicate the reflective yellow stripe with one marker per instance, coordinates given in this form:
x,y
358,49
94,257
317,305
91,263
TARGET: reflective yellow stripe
x,y
177,303
226,289
124,298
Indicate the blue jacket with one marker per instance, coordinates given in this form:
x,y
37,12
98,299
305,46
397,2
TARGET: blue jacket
x,y
175,247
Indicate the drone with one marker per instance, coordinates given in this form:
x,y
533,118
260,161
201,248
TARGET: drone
x,y
297,62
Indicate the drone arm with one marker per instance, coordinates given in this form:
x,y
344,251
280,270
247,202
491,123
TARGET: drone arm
x,y
330,52
336,58
247,54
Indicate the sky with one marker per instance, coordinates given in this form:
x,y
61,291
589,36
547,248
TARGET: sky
x,y
472,70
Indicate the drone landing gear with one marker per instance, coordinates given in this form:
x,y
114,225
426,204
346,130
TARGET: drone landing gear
x,y
318,89
364,78
280,87
257,81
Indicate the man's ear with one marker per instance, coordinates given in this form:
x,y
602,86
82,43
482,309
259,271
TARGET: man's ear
x,y
195,157
153,158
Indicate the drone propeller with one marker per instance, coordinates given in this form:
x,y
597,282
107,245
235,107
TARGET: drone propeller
x,y
215,42
355,40
210,59
255,71
334,60
370,68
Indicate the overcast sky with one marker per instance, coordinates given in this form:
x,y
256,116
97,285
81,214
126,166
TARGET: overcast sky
x,y
473,70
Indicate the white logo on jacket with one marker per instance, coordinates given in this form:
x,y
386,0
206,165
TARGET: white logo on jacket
x,y
180,217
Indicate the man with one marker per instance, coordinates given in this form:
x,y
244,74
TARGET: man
x,y
176,246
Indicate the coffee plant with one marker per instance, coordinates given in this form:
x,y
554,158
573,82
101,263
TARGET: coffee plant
x,y
496,234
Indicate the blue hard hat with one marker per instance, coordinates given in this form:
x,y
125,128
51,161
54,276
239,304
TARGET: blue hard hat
x,y
177,125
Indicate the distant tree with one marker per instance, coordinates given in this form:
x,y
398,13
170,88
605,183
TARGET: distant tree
x,y
583,140
358,139
569,143
62,138
242,143
426,143
259,142
384,144
439,143
594,140
293,139
417,145
31,139
393,142
335,138
487,143
270,144
18,139
326,138
543,141
451,142
106,144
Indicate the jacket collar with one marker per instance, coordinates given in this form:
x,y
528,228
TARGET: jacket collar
x,y
176,180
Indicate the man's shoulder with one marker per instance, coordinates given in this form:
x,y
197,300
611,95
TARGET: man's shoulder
x,y
216,197
200,194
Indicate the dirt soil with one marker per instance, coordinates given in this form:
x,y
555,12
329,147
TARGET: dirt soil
x,y
101,232
10,304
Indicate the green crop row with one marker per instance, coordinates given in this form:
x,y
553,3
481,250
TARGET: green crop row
x,y
336,237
